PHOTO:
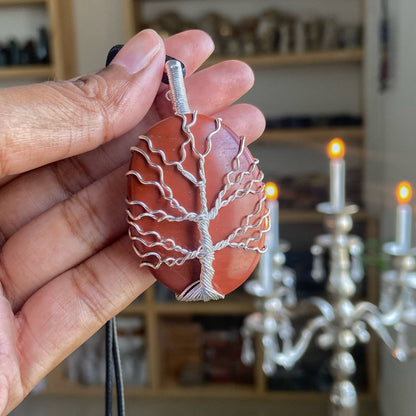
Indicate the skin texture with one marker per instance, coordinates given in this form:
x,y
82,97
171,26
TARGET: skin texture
x,y
66,265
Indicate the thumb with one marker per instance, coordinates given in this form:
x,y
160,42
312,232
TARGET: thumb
x,y
42,123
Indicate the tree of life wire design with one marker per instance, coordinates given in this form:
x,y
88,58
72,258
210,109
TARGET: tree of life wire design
x,y
245,184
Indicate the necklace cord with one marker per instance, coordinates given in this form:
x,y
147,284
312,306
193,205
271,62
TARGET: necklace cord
x,y
112,350
108,367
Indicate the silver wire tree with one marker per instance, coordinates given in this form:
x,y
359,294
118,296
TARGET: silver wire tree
x,y
242,181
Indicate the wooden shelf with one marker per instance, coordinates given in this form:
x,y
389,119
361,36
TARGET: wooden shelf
x,y
313,134
135,308
27,72
208,391
21,2
222,307
65,387
219,390
62,47
308,58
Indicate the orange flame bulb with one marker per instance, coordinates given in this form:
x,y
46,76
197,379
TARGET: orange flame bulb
x,y
271,191
336,149
404,192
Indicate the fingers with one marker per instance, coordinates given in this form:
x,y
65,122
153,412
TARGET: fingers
x,y
215,88
192,47
68,310
7,179
11,391
245,119
210,93
69,176
45,122
63,237
74,229
41,189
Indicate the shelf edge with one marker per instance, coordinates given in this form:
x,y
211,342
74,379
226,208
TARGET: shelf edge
x,y
27,71
313,134
308,58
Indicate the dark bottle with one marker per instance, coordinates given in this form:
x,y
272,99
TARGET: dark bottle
x,y
14,52
4,56
28,53
43,55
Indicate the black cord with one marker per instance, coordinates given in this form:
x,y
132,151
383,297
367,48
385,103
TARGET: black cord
x,y
112,359
112,350
112,53
108,367
118,372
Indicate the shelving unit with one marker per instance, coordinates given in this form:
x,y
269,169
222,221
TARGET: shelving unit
x,y
154,312
132,10
295,59
316,135
62,48
27,72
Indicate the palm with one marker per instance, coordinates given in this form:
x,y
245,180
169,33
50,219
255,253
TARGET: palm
x,y
66,265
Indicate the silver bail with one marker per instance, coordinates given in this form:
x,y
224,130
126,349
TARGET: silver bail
x,y
177,87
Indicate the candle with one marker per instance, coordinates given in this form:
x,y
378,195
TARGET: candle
x,y
272,204
272,239
404,216
336,150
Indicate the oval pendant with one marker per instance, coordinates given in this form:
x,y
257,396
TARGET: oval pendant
x,y
197,209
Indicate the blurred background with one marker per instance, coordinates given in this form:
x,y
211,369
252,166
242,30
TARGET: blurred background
x,y
324,68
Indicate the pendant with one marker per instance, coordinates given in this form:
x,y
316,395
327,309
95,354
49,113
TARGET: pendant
x,y
196,202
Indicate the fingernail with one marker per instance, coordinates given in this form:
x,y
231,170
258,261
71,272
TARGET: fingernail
x,y
139,51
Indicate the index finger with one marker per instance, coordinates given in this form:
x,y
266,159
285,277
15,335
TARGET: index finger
x,y
42,123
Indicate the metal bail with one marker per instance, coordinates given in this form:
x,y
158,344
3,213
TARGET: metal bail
x,y
177,87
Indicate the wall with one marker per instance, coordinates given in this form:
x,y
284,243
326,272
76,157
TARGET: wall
x,y
391,151
98,26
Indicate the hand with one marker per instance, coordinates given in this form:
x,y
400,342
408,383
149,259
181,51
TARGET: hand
x,y
66,264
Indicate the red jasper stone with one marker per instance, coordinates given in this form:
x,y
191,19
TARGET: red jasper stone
x,y
232,265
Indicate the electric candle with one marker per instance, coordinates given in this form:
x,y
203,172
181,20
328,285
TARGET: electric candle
x,y
336,150
272,204
272,238
404,216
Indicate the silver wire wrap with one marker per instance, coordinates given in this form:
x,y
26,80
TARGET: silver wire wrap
x,y
201,289
177,87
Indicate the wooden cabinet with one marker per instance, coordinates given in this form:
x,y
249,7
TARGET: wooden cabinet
x,y
61,41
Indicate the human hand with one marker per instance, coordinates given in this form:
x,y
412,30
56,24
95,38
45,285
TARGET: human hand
x,y
66,264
